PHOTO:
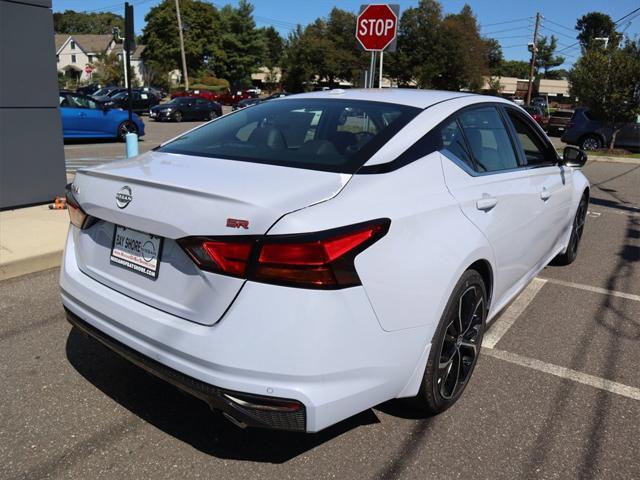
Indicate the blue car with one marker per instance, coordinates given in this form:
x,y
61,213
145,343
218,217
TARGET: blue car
x,y
83,117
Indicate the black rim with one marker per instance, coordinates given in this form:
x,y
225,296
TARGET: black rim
x,y
578,226
127,127
460,345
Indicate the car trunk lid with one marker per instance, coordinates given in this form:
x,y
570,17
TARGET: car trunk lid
x,y
174,196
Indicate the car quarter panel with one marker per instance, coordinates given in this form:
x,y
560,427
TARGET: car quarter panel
x,y
410,273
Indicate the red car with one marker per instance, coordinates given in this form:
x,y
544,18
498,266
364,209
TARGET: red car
x,y
538,115
206,94
230,98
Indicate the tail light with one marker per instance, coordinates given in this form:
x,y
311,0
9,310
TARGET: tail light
x,y
77,216
310,260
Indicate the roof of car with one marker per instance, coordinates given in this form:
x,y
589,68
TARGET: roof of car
x,y
403,96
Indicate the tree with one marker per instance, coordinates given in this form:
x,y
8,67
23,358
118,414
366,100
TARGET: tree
x,y
514,68
464,69
72,22
494,55
596,25
109,70
545,58
296,71
274,47
201,26
607,82
242,45
419,55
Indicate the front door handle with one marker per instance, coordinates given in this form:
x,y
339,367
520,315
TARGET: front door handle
x,y
486,203
545,194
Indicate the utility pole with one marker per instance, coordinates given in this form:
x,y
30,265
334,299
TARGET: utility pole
x,y
184,59
534,51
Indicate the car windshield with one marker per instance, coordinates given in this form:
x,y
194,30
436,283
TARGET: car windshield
x,y
100,92
120,95
319,134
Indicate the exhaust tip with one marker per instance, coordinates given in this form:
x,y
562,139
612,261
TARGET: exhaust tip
x,y
235,421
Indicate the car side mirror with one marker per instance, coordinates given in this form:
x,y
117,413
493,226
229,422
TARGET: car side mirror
x,y
573,157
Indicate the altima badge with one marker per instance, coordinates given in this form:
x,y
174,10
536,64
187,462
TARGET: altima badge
x,y
123,197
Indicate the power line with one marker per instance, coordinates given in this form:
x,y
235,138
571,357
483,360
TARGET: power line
x,y
557,33
559,25
628,14
507,30
505,22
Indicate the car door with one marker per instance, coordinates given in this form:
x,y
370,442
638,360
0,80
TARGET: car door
x,y
92,118
484,173
548,179
629,136
69,114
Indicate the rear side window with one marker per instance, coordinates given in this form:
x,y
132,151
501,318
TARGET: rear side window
x,y
453,142
488,139
319,134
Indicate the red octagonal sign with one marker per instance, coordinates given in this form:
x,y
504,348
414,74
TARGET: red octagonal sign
x,y
376,27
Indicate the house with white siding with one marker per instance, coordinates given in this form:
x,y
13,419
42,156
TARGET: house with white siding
x,y
76,55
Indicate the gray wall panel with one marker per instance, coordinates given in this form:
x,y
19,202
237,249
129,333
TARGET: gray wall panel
x,y
28,70
31,156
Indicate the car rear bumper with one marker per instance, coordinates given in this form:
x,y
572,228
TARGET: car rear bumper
x,y
324,349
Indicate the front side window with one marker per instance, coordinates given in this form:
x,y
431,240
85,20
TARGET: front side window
x,y
535,151
319,134
488,139
81,102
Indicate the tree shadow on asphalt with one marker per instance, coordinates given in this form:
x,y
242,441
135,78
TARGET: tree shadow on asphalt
x,y
187,418
611,318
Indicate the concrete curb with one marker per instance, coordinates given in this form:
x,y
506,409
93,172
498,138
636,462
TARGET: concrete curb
x,y
598,158
27,265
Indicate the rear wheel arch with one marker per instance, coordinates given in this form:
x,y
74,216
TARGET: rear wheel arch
x,y
483,267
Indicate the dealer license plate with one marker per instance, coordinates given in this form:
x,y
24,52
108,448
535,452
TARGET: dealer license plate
x,y
136,251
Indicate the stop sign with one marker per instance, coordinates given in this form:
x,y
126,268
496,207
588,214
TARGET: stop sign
x,y
376,27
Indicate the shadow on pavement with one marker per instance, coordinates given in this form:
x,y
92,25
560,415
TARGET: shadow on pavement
x,y
187,418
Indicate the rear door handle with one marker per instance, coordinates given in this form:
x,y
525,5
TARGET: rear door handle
x,y
545,194
486,203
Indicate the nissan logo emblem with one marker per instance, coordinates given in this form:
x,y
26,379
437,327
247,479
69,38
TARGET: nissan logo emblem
x,y
123,197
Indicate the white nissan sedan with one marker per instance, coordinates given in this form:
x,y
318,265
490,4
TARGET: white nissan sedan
x,y
304,259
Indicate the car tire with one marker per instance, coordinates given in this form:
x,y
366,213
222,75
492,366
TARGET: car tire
x,y
212,115
124,128
455,346
177,116
590,142
577,229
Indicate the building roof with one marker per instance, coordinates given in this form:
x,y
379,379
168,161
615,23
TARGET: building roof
x,y
86,42
136,55
403,96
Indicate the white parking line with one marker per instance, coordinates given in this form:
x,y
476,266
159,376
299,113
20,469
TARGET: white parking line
x,y
589,288
566,373
501,325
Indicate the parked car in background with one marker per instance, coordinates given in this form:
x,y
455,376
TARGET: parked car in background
x,y
589,133
89,89
254,101
84,117
558,121
141,100
540,102
255,90
206,94
292,270
538,114
231,98
104,94
186,108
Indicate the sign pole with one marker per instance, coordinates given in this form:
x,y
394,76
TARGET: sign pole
x,y
381,62
372,67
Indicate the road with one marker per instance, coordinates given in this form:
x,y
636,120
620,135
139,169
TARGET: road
x,y
556,396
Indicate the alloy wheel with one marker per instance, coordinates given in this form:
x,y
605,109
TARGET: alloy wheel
x,y
578,226
125,128
590,143
460,346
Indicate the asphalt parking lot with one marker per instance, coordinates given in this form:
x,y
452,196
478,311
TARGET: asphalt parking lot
x,y
556,393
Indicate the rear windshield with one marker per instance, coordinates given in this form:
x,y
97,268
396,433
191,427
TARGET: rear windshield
x,y
562,114
318,134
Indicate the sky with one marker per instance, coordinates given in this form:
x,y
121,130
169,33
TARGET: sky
x,y
509,21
